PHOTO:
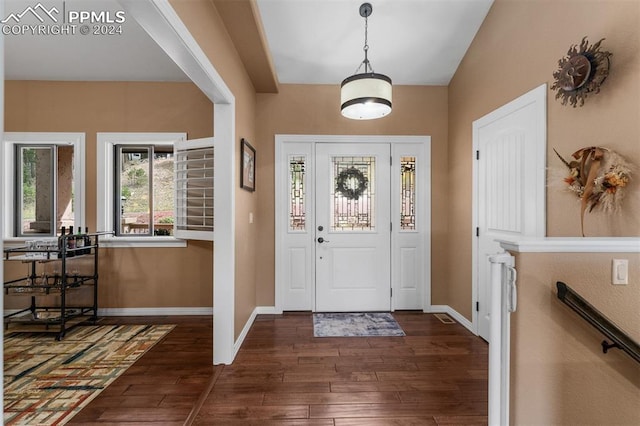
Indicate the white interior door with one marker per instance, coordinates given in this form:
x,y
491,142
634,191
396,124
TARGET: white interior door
x,y
352,229
510,194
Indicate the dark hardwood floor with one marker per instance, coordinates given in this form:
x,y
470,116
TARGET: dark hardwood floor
x,y
282,375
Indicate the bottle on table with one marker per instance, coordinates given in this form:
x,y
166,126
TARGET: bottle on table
x,y
71,243
87,241
63,231
79,239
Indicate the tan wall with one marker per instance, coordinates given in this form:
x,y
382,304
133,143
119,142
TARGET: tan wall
x,y
559,374
203,21
166,277
517,49
315,109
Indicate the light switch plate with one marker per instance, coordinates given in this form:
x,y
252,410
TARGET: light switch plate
x,y
620,272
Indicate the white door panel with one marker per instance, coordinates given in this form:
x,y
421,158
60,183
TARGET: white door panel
x,y
510,185
353,239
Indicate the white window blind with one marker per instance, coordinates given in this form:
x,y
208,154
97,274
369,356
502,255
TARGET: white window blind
x,y
194,189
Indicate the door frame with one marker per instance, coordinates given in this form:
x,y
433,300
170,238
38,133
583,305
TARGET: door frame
x,y
538,97
281,204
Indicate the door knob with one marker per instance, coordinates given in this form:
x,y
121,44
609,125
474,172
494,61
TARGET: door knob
x,y
322,240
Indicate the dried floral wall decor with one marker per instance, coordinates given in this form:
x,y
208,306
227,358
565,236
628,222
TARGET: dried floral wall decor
x,y
598,177
581,72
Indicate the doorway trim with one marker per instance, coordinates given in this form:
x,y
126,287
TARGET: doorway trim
x,y
2,183
164,26
538,97
281,201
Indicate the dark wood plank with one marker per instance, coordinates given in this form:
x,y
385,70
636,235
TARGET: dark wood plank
x,y
461,420
331,398
264,422
221,413
405,421
150,415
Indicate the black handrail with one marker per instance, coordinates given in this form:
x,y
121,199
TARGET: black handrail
x,y
594,317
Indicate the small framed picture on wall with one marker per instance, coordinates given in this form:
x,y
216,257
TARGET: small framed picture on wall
x,y
247,166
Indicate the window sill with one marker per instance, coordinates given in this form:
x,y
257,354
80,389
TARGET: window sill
x,y
110,242
141,242
15,242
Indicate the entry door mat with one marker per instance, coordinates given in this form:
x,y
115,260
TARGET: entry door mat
x,y
48,382
356,325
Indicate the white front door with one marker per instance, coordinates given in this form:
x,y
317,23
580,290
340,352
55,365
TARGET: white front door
x,y
510,148
352,227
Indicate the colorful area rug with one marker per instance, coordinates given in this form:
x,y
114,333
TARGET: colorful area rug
x,y
47,382
354,325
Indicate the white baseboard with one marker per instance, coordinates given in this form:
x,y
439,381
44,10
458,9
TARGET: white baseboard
x,y
133,312
446,309
267,310
244,332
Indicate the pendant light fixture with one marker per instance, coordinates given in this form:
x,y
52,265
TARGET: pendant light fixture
x,y
367,95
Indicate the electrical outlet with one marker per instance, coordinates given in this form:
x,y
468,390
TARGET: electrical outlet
x,y
620,272
250,217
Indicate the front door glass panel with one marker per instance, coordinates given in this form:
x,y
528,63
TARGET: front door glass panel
x,y
353,193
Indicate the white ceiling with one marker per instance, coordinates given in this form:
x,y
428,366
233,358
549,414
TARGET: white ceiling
x,y
412,41
130,56
311,41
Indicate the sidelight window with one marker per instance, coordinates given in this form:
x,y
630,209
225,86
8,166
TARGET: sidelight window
x,y
408,193
297,193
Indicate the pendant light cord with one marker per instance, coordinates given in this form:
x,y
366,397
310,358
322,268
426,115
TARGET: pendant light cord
x,y
366,63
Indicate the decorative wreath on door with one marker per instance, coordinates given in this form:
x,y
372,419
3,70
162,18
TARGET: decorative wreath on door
x,y
351,183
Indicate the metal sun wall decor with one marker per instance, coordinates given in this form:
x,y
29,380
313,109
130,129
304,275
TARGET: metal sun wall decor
x,y
581,72
598,177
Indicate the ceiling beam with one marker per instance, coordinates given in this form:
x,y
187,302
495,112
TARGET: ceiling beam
x,y
244,25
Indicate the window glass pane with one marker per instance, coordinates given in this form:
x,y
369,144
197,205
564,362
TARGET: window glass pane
x,y
43,183
353,194
65,195
35,198
163,190
134,190
408,193
297,193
